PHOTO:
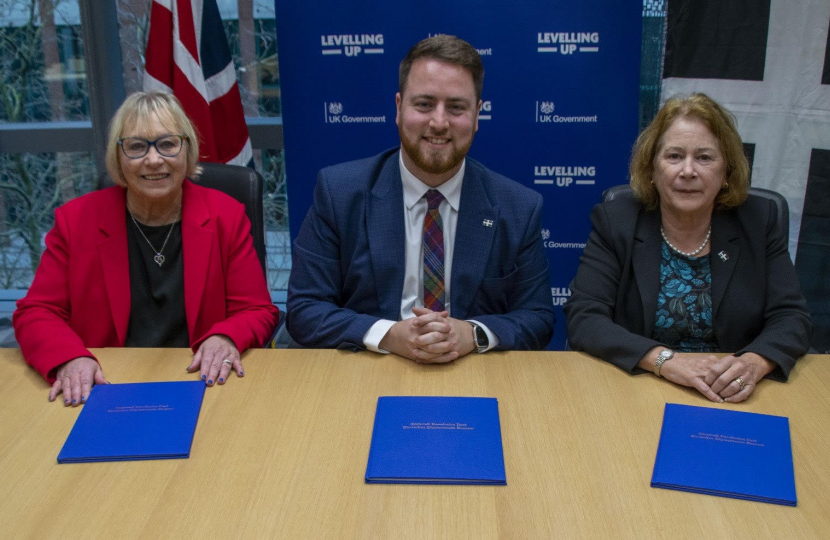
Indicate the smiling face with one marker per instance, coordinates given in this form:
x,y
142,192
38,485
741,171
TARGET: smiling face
x,y
437,118
689,170
154,179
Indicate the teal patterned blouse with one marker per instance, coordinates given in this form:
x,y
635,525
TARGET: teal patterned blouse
x,y
683,320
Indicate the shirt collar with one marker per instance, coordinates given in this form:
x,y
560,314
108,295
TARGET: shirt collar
x,y
414,189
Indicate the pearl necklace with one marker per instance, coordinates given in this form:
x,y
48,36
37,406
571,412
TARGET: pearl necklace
x,y
691,253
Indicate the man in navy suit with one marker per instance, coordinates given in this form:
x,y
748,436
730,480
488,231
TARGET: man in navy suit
x,y
421,251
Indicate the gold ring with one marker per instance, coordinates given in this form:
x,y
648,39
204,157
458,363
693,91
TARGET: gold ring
x,y
740,382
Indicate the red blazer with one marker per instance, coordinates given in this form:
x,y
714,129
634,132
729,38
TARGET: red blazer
x,y
80,296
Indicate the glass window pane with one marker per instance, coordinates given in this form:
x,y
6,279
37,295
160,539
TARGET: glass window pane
x,y
31,187
271,165
42,62
251,29
42,79
133,25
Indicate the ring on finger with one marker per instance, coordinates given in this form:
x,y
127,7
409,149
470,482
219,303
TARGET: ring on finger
x,y
740,382
227,361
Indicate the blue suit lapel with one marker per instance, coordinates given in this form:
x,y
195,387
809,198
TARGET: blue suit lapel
x,y
478,219
385,225
646,263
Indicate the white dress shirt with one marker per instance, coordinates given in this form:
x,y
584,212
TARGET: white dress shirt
x,y
415,210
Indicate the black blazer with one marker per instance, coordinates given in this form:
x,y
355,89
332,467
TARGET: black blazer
x,y
757,305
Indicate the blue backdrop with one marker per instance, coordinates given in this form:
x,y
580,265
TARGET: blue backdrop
x,y
561,97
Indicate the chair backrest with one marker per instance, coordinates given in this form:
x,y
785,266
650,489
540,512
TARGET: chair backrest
x,y
243,184
624,191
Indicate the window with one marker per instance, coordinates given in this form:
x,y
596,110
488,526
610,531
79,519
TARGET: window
x,y
43,81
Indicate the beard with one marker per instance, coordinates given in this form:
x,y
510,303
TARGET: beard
x,y
437,161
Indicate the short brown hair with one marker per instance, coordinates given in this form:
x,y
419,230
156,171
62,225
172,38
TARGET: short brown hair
x,y
722,125
138,108
445,48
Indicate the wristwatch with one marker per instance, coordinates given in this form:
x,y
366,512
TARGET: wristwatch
x,y
665,354
480,337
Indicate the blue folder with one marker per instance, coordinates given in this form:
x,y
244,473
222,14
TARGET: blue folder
x,y
726,453
436,440
124,422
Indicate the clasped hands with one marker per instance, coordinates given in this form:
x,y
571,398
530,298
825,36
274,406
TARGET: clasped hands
x,y
731,378
431,337
75,378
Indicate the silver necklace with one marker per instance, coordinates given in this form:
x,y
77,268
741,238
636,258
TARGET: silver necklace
x,y
691,253
159,258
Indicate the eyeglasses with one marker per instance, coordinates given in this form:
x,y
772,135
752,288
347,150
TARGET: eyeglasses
x,y
167,146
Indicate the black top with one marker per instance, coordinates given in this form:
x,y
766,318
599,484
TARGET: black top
x,y
157,315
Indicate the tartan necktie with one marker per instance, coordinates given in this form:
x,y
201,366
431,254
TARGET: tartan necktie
x,y
433,253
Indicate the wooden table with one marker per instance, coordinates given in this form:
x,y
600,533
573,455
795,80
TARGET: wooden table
x,y
282,454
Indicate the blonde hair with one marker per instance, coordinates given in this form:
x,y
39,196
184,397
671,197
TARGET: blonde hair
x,y
139,108
722,125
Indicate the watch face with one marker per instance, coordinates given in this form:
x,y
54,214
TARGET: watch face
x,y
481,337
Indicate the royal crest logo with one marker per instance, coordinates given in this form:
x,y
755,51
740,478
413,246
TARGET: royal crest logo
x,y
545,234
546,107
335,107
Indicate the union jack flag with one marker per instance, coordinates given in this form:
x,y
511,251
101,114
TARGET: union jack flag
x,y
188,56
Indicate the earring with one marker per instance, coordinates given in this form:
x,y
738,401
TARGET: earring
x,y
725,185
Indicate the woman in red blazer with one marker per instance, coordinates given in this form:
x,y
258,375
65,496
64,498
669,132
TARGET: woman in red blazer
x,y
155,261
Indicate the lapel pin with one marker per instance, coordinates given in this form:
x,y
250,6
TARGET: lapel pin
x,y
723,256
487,222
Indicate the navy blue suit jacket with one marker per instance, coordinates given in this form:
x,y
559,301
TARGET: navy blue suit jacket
x,y
757,305
348,258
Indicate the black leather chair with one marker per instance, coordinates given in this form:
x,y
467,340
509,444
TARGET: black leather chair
x,y
243,184
625,191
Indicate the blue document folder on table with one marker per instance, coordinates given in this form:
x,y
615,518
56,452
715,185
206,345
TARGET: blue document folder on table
x,y
436,440
124,422
726,453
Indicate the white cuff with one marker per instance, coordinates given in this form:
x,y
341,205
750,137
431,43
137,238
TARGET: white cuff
x,y
375,335
491,337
